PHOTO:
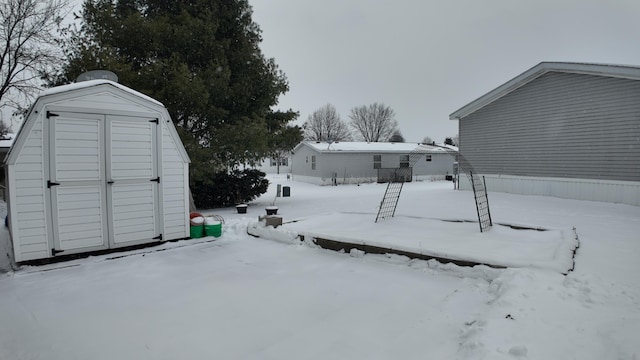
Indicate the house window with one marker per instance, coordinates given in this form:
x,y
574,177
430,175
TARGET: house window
x,y
377,161
404,161
313,162
283,162
428,157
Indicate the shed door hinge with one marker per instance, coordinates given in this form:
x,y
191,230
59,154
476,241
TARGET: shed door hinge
x,y
156,180
156,120
54,252
50,184
50,114
159,237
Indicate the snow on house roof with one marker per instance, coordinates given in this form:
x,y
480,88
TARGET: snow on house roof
x,y
374,147
90,83
610,70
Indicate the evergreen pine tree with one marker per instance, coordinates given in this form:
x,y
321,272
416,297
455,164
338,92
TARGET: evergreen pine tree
x,y
201,59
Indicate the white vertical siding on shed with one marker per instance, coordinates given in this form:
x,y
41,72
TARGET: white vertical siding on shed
x,y
132,165
133,212
30,239
175,186
75,148
103,100
132,149
80,219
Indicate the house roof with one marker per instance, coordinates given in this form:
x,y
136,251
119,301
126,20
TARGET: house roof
x,y
621,71
373,147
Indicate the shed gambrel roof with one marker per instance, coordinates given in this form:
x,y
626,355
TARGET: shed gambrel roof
x,y
84,88
621,71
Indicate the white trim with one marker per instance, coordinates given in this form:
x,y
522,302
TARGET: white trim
x,y
50,99
624,192
92,83
187,191
621,71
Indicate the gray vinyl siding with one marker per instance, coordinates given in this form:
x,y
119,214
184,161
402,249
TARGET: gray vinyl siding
x,y
559,125
301,162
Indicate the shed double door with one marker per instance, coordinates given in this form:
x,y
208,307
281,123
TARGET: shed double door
x,y
104,181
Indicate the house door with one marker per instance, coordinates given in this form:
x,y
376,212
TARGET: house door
x,y
104,181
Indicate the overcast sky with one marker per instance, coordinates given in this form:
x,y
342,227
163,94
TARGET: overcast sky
x,y
426,59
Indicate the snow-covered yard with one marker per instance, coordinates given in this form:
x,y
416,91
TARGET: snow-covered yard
x,y
240,297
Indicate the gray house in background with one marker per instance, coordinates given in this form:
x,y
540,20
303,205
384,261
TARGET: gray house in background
x,y
569,130
323,163
271,166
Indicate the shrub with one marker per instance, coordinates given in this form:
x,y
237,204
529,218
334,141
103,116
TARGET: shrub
x,y
232,188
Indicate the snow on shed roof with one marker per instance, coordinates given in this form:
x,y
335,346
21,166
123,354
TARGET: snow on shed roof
x,y
372,147
90,83
610,70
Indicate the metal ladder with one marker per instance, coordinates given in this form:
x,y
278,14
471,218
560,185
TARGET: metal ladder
x,y
391,196
394,188
482,201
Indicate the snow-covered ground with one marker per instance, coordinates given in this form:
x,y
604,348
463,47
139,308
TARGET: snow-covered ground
x,y
240,297
503,246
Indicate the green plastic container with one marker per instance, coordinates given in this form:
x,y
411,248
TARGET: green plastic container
x,y
213,229
196,231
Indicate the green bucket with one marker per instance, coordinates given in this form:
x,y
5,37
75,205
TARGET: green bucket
x,y
213,229
196,231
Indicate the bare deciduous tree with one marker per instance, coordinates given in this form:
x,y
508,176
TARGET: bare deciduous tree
x,y
427,140
29,47
325,125
374,123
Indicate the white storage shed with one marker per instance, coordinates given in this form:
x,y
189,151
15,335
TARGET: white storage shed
x,y
95,166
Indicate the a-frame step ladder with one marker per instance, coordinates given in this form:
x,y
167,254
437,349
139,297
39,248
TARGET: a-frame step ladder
x,y
482,201
390,200
394,188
